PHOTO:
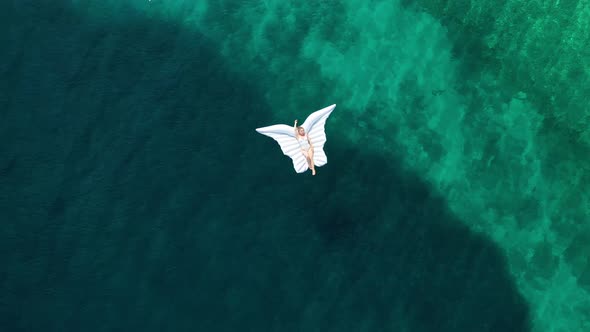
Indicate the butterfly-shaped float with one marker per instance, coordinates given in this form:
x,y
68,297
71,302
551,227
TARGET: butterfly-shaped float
x,y
314,128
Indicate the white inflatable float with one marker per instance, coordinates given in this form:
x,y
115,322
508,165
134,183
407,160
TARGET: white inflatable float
x,y
314,128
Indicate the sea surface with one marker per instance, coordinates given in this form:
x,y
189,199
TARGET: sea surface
x,y
135,194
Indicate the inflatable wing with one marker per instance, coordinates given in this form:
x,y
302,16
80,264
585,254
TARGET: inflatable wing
x,y
314,127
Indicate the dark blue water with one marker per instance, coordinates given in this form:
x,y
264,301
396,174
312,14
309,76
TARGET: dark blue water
x,y
136,196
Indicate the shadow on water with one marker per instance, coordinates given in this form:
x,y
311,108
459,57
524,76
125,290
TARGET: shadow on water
x,y
142,199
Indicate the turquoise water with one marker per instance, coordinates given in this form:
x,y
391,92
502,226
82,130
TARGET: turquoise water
x,y
135,193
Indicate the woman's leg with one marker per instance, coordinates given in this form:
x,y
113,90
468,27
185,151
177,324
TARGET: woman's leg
x,y
306,155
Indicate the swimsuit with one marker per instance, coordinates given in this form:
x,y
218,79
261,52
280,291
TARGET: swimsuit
x,y
303,143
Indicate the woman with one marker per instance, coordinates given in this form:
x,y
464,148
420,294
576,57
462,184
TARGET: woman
x,y
305,145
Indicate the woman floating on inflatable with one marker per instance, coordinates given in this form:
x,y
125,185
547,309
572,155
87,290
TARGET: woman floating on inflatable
x,y
305,143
